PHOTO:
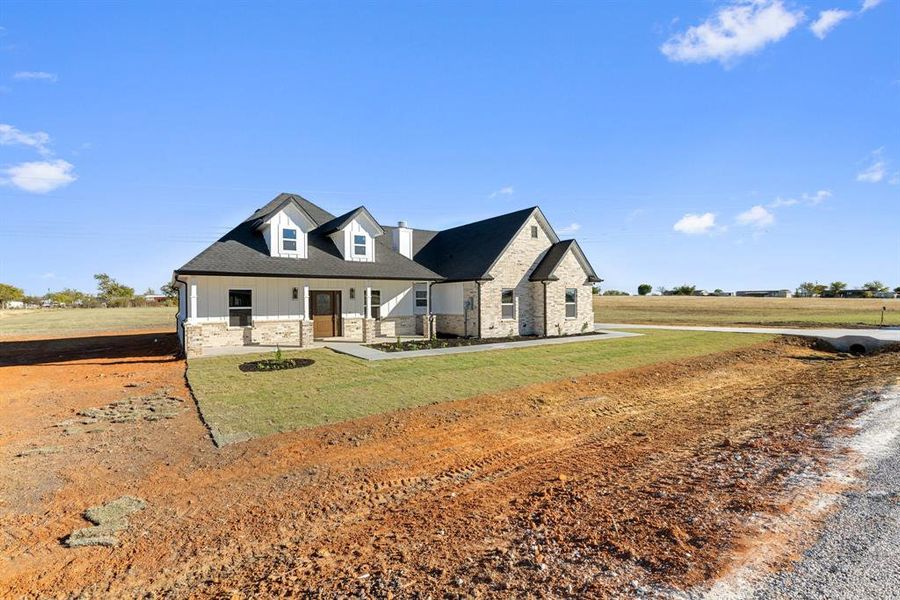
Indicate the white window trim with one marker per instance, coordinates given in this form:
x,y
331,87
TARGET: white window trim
x,y
228,308
370,310
567,303
513,304
296,240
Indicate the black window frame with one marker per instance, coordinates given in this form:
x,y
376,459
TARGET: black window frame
x,y
239,314
534,232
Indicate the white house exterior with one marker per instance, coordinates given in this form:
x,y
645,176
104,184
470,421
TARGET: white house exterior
x,y
292,273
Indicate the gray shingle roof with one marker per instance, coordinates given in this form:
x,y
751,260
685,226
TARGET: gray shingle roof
x,y
544,270
463,253
467,252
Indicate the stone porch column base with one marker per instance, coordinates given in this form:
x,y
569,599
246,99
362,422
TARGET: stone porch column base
x,y
368,331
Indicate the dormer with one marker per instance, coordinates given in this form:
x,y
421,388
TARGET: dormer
x,y
285,231
354,234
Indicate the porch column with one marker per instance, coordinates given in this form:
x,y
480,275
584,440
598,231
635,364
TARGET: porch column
x,y
368,322
192,317
368,302
306,303
306,325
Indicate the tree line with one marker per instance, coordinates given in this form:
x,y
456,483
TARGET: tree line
x,y
835,289
110,293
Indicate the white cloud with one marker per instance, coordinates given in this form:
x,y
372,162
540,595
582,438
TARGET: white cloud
x,y
572,228
10,136
869,4
36,76
692,224
40,177
740,28
828,20
874,172
506,190
818,197
757,216
781,202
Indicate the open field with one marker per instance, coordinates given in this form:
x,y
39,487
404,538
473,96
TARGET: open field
x,y
783,312
72,320
239,405
593,484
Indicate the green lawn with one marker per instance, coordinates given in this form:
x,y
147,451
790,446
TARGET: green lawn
x,y
71,320
786,312
239,405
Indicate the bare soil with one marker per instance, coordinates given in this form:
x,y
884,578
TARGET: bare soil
x,y
591,486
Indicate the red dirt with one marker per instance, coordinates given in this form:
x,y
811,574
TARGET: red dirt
x,y
576,487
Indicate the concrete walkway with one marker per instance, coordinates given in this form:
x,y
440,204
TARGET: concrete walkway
x,y
840,338
366,353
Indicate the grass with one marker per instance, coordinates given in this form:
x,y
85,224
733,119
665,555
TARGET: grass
x,y
240,405
71,320
695,310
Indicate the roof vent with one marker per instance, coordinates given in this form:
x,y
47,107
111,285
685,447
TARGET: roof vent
x,y
401,223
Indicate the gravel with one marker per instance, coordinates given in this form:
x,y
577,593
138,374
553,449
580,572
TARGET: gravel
x,y
858,553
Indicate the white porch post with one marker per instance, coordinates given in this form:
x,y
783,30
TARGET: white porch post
x,y
306,302
192,317
369,302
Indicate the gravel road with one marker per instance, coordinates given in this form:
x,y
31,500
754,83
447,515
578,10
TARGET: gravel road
x,y
858,554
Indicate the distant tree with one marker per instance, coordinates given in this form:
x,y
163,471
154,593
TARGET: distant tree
x,y
615,293
718,291
10,293
808,288
170,291
150,292
595,289
897,290
33,300
661,289
108,289
644,289
67,296
873,287
837,287
685,290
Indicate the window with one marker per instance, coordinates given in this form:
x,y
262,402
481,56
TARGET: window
x,y
359,245
571,303
376,304
240,308
421,298
507,305
534,231
289,240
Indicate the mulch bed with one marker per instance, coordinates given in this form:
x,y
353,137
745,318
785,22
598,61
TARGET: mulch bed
x,y
454,342
275,365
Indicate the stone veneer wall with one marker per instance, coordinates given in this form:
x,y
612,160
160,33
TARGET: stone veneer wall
x,y
570,274
198,336
395,326
352,327
512,271
452,325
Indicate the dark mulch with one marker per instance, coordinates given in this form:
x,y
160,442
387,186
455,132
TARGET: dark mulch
x,y
453,342
275,365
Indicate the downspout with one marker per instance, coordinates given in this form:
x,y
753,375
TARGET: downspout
x,y
545,309
478,283
186,307
431,325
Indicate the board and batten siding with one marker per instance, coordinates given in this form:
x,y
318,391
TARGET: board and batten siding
x,y
272,296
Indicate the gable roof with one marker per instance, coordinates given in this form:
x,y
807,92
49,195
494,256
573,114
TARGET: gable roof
x,y
342,221
468,252
316,213
554,256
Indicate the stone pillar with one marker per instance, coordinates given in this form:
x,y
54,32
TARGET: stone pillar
x,y
427,325
306,333
368,331
193,340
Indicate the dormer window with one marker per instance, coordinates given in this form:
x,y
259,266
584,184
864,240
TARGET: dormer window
x,y
289,240
359,245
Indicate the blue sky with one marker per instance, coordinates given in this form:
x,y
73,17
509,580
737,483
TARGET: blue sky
x,y
725,144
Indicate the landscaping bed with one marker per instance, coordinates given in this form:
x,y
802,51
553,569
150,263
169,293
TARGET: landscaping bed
x,y
455,342
275,364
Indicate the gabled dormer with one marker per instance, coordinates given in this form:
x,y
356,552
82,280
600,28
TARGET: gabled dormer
x,y
354,234
286,230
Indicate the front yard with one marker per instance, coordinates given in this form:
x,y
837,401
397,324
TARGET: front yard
x,y
239,405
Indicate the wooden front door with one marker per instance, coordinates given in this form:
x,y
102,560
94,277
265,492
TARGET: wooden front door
x,y
326,311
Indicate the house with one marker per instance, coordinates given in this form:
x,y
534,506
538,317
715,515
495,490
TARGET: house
x,y
293,272
765,293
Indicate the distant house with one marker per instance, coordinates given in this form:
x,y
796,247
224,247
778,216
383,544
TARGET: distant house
x,y
14,304
764,293
155,298
293,272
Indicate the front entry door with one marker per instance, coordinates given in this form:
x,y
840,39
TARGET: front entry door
x,y
325,313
